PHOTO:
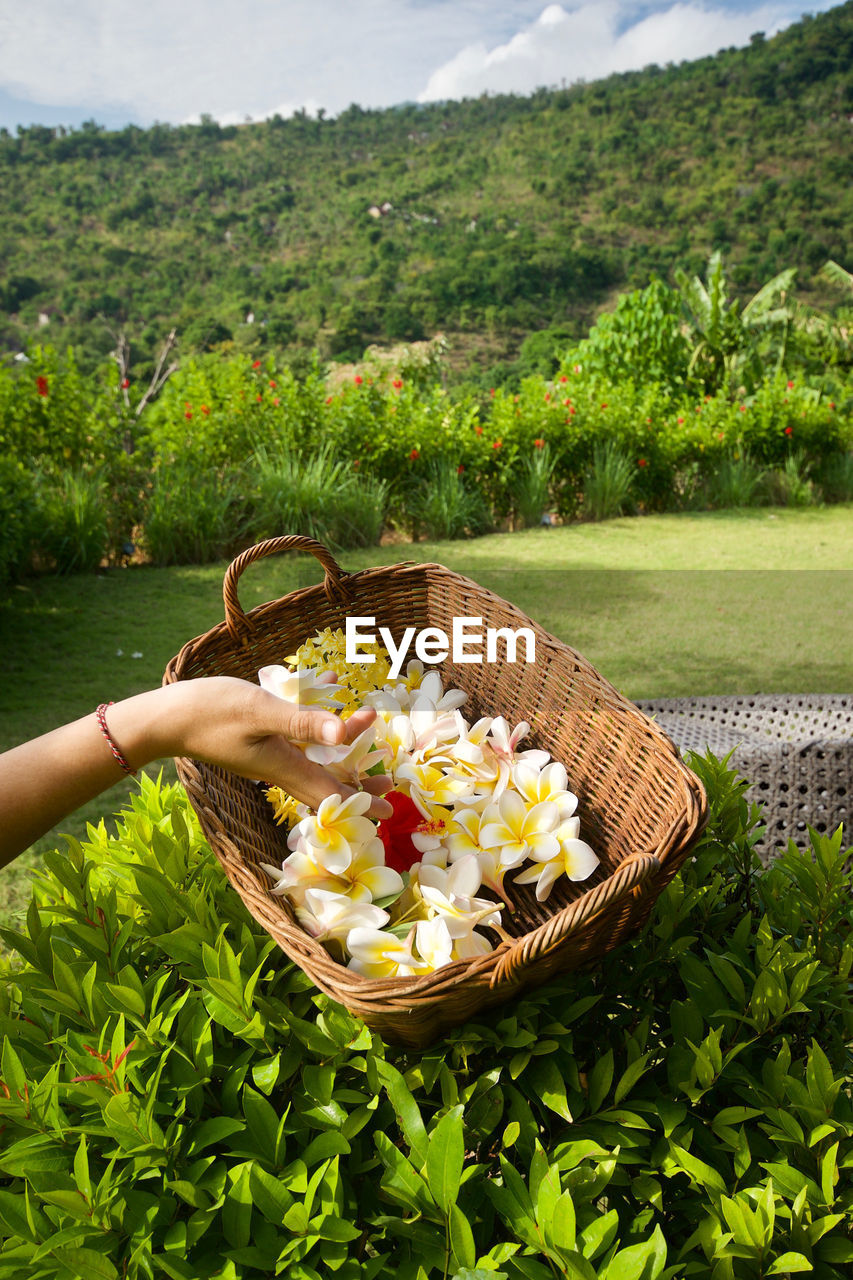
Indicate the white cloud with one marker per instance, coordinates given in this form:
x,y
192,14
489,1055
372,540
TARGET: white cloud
x,y
173,60
594,39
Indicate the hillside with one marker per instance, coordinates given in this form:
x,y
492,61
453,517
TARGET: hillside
x,y
507,214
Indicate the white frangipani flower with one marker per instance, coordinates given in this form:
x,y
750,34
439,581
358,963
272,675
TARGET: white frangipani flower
x,y
574,859
332,916
377,954
348,761
330,835
548,783
434,943
305,686
450,894
520,831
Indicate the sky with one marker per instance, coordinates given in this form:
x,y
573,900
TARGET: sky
x,y
138,61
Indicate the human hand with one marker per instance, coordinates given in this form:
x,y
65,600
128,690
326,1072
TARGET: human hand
x,y
237,725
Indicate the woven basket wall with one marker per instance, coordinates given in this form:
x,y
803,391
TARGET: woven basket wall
x,y
639,806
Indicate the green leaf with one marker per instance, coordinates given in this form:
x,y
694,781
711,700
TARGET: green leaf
x,y
406,1109
788,1262
86,1264
445,1156
599,1081
269,1194
630,1077
461,1238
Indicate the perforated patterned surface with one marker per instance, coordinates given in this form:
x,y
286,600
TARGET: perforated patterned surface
x,y
797,750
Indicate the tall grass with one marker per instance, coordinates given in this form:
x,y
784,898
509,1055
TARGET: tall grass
x,y
737,482
792,485
836,477
192,516
72,521
608,483
444,507
532,486
315,494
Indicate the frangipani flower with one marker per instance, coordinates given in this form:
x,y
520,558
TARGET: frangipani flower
x,y
574,859
434,943
450,894
303,686
548,783
431,788
349,761
520,831
331,917
377,954
337,828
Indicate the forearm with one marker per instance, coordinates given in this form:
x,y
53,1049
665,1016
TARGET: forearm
x,y
44,780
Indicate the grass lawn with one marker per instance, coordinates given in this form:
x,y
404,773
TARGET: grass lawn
x,y
756,601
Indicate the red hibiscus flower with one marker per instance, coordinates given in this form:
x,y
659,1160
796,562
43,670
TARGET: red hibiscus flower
x,y
256,364
641,462
539,443
564,378
125,382
358,380
496,444
789,431
41,385
397,384
396,832
414,454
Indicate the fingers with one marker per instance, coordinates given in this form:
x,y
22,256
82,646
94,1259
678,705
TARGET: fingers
x,y
285,766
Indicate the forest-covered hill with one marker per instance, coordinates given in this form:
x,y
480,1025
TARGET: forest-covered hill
x,y
488,219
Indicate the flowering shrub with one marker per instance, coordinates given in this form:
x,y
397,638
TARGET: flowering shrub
x,y
469,807
177,1101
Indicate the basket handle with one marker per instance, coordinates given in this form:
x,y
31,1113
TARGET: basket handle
x,y
239,626
632,873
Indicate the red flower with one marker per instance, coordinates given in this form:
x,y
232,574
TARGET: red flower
x,y
564,378
698,408
188,413
356,465
492,391
680,422
789,431
397,384
649,421
205,410
41,385
413,455
547,395
641,462
832,404
125,382
496,444
272,383
572,410
539,443
329,399
742,408
460,468
516,399
567,402
276,402
719,435
479,430
358,379
396,832
259,396
256,364
790,386
604,406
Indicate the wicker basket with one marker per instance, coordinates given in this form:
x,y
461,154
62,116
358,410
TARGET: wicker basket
x,y
640,807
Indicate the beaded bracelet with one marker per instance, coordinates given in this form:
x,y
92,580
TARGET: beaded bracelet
x,y
101,713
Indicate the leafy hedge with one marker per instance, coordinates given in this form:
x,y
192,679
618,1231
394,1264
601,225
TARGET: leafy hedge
x,y
178,1101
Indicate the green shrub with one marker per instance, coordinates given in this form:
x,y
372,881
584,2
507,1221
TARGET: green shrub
x,y
608,483
736,483
835,476
193,516
315,494
442,505
73,523
17,519
532,485
791,484
178,1101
